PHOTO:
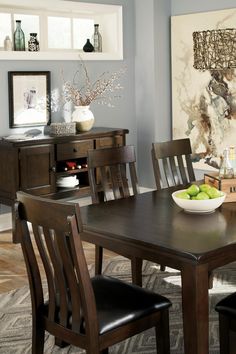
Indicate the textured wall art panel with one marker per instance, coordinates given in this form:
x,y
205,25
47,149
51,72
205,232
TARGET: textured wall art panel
x,y
204,100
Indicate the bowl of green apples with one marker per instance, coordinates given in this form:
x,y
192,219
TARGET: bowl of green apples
x,y
201,198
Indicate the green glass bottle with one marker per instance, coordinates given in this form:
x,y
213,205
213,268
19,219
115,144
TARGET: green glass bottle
x,y
19,37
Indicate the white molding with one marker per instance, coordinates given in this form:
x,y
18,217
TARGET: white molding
x,y
5,221
59,55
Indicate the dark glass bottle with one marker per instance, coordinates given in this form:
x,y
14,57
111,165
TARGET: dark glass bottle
x,y
88,47
33,43
97,39
19,37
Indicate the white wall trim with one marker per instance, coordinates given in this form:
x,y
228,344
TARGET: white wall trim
x,y
5,222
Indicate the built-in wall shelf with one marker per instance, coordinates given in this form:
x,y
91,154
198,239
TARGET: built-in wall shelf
x,y
52,55
62,28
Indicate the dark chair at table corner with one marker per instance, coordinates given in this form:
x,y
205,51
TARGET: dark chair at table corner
x,y
90,313
227,324
107,171
169,159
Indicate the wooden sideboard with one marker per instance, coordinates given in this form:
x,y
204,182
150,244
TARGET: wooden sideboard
x,y
34,165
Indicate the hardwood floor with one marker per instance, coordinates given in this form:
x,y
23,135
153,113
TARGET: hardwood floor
x,y
12,267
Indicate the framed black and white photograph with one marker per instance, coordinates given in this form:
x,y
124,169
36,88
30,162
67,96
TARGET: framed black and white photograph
x,y
29,98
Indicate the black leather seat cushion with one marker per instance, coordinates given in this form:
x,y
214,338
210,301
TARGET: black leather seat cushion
x,y
119,303
227,306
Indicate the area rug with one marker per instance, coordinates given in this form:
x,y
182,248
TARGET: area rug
x,y
15,311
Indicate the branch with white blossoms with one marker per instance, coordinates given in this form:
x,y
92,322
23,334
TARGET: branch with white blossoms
x,y
100,91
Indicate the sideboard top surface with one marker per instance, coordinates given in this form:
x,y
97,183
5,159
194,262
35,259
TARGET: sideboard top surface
x,y
45,139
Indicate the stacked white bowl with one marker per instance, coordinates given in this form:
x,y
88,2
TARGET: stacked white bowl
x,y
68,181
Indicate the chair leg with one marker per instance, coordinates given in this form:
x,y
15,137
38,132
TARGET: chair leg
x,y
98,259
224,329
97,351
37,337
162,334
60,343
136,270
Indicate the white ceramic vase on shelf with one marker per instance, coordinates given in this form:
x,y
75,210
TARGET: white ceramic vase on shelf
x,y
83,118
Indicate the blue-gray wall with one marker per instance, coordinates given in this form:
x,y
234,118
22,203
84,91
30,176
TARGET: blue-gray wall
x,y
180,7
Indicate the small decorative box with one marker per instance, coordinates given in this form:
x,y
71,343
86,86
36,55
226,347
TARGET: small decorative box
x,y
63,128
227,185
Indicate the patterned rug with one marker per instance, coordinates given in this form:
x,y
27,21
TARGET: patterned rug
x,y
15,312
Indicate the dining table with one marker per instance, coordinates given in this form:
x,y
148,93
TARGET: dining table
x,y
152,227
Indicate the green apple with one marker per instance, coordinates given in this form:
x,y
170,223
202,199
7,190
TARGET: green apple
x,y
192,190
214,193
183,195
202,196
204,187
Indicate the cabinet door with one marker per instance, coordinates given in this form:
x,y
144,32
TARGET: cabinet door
x,y
37,174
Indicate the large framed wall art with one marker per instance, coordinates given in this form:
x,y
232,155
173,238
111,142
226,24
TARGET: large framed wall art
x,y
203,49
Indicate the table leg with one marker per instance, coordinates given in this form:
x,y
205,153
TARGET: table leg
x,y
136,269
195,309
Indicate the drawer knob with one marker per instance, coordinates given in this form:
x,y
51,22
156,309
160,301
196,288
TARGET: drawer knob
x,y
74,150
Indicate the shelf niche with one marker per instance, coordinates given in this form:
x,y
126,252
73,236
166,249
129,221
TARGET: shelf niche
x,y
109,18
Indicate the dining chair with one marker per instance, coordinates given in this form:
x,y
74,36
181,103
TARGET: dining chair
x,y
90,313
227,324
172,166
169,159
107,171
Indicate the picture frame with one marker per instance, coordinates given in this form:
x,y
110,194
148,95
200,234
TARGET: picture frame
x,y
203,98
29,98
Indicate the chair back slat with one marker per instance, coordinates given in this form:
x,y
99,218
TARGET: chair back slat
x,y
134,178
182,170
42,248
107,169
36,292
104,173
68,280
157,172
169,159
190,168
174,170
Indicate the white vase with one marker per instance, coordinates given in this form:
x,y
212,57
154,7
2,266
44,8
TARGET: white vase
x,y
83,118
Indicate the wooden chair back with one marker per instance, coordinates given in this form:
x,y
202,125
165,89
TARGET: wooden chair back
x,y
107,170
80,311
172,163
56,228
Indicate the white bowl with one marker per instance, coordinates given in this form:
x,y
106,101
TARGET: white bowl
x,y
198,206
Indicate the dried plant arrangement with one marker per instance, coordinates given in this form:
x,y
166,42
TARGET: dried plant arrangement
x,y
81,91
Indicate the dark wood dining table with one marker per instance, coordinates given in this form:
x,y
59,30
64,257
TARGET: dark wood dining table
x,y
151,226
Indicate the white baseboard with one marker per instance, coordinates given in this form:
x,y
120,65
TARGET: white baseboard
x,y
5,221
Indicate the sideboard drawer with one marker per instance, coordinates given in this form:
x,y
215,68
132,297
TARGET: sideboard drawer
x,y
74,150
